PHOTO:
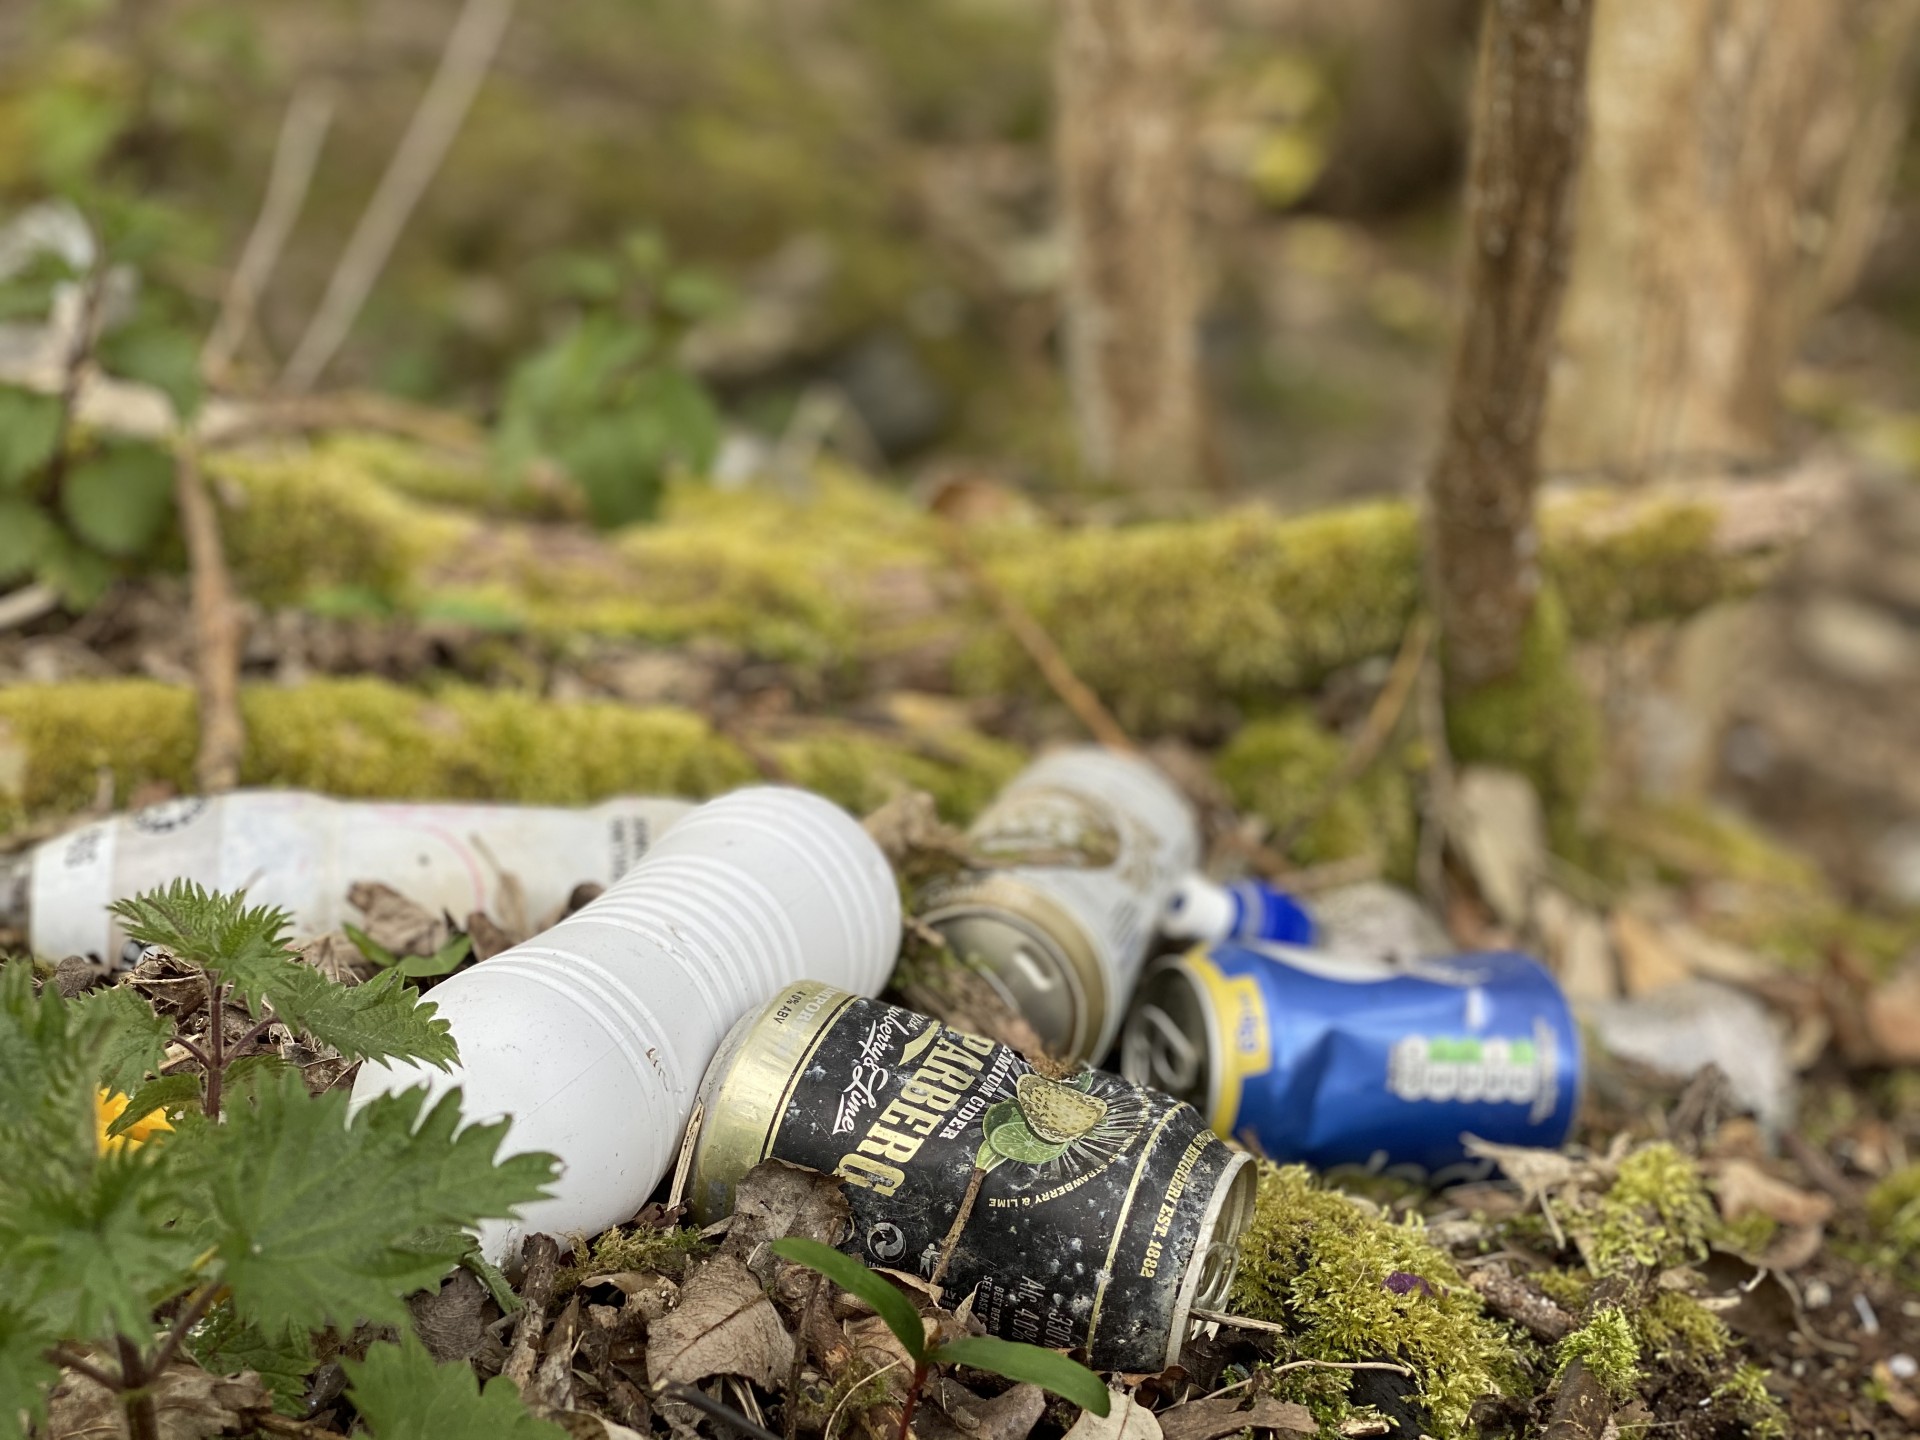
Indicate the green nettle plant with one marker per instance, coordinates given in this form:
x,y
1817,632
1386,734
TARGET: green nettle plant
x,y
78,507
247,1214
1048,1369
607,398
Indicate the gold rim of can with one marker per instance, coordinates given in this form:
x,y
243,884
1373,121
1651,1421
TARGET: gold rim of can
x,y
747,1088
1149,1000
1059,937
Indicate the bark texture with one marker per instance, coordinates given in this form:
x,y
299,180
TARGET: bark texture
x,y
1529,119
1739,157
1123,163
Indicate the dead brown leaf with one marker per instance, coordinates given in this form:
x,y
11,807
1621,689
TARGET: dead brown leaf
x,y
1648,962
189,1403
724,1325
1126,1419
1008,1416
452,1321
1498,829
1210,1419
1893,1016
337,958
775,1199
1743,1188
395,922
486,935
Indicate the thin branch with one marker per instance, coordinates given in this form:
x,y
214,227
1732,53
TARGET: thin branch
x,y
254,1034
27,604
725,1414
143,1420
960,1218
189,1316
1340,1365
216,1043
216,627
68,1359
295,156
1074,692
296,1429
74,374
443,109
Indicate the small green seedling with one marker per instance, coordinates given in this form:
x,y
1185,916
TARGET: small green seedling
x,y
443,961
1048,1369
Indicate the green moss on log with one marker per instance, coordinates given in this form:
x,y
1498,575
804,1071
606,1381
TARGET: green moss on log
x,y
1539,721
368,738
1179,625
1281,768
1168,621
1319,1263
1610,1350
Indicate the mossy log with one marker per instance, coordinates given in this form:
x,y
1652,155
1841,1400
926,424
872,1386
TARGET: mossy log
x,y
368,738
1181,626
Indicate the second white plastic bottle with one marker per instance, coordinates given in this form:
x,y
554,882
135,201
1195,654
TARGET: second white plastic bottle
x,y
593,1036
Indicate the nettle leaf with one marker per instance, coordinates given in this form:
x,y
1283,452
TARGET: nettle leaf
x,y
856,1279
1048,1369
92,1257
29,429
25,1373
169,1092
28,537
317,1222
403,1395
384,1019
224,1343
216,932
49,1057
79,574
135,1044
118,500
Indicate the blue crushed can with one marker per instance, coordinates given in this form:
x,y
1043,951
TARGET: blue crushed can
x,y
1198,909
1334,1061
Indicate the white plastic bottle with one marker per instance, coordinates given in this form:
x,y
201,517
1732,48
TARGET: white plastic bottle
x,y
593,1036
302,851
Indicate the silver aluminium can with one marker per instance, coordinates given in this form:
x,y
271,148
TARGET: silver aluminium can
x,y
1096,842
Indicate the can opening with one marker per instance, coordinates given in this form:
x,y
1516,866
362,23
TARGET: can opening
x,y
1168,1039
1222,1252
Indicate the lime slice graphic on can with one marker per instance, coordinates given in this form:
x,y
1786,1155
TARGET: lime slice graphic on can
x,y
1039,1123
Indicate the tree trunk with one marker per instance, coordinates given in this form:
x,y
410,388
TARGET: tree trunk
x,y
1740,155
1528,123
1122,158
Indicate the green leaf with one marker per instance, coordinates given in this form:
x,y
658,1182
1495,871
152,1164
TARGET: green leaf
x,y
135,1043
29,429
317,1222
403,1395
371,948
224,1343
24,1371
384,1019
27,537
167,1093
92,1246
118,501
213,931
1048,1369
381,1020
856,1279
161,355
443,961
79,574
250,1069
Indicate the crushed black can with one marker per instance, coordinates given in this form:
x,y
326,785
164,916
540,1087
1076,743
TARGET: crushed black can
x,y
1106,1214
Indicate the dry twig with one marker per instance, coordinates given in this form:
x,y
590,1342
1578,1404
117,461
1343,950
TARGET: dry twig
x,y
216,627
295,155
476,35
1040,647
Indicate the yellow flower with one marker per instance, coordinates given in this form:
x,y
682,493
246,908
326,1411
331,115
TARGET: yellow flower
x,y
109,1107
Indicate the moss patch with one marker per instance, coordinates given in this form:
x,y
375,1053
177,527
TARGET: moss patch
x,y
1279,769
1608,1347
1352,1286
1655,1215
367,738
1677,1331
1538,721
645,1251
